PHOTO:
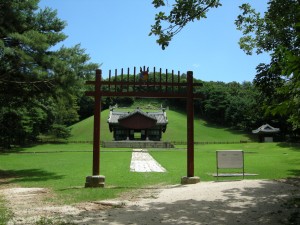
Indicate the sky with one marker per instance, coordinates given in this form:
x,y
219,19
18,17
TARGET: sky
x,y
115,33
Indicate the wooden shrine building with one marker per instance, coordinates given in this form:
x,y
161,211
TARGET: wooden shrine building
x,y
266,133
137,125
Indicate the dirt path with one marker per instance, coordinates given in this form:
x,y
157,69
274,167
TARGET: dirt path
x,y
237,202
28,205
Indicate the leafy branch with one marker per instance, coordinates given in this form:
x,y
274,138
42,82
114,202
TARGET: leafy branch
x,y
183,12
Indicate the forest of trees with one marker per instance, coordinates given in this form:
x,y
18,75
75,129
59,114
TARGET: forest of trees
x,y
42,87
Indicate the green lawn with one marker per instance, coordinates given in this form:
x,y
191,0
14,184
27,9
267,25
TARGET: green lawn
x,y
268,160
5,214
83,131
63,167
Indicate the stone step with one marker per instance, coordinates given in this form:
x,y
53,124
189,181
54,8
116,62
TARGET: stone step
x,y
137,144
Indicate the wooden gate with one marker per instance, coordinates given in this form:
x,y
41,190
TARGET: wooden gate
x,y
146,85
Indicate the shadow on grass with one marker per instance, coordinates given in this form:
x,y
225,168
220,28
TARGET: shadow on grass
x,y
19,149
28,175
248,135
268,203
295,173
14,150
42,148
292,146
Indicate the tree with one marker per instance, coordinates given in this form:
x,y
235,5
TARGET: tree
x,y
26,35
25,38
182,12
243,110
215,102
70,71
277,33
39,87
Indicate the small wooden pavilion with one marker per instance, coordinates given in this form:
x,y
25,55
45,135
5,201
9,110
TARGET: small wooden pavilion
x,y
266,133
137,125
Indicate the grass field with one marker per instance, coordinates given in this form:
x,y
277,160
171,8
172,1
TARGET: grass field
x,y
63,167
176,130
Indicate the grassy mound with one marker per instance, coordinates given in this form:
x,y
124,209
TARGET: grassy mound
x,y
176,130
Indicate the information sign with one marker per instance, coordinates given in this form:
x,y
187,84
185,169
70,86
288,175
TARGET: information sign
x,y
227,159
230,159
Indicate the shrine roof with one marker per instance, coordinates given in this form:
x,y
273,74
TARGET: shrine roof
x,y
266,128
160,116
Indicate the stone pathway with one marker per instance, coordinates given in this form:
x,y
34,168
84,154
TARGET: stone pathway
x,y
142,161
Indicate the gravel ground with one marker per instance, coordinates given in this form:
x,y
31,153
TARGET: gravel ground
x,y
236,202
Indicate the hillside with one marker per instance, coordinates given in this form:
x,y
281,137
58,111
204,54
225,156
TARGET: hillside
x,y
176,130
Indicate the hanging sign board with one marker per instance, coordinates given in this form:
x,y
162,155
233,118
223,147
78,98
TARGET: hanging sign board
x,y
230,159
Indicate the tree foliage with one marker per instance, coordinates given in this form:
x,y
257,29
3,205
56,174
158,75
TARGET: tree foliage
x,y
182,12
230,104
276,32
39,87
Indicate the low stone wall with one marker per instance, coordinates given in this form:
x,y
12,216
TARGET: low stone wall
x,y
137,144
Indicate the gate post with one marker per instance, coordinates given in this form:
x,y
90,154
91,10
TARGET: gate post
x,y
190,178
96,180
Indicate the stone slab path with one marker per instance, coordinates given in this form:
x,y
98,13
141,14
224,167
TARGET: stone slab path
x,y
142,161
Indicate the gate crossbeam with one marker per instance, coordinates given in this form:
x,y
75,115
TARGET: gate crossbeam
x,y
143,94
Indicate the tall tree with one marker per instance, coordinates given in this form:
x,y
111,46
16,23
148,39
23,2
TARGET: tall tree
x,y
26,34
39,86
70,72
276,32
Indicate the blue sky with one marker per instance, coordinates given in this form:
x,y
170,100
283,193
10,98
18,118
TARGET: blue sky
x,y
115,34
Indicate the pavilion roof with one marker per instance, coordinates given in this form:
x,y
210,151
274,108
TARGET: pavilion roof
x,y
266,128
160,116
